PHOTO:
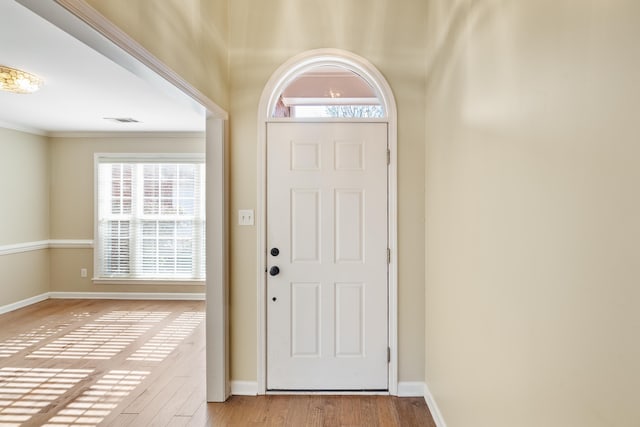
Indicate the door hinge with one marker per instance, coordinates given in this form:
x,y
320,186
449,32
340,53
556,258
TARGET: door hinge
x,y
388,354
388,156
388,256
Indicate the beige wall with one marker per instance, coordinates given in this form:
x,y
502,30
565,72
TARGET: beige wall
x,y
72,203
24,216
23,275
388,33
190,36
24,173
261,36
532,214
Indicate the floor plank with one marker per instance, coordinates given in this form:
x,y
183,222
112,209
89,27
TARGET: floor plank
x,y
73,363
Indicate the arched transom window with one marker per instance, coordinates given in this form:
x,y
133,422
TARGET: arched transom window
x,y
328,92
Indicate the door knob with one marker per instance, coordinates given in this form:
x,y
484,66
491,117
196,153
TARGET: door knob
x,y
275,251
274,271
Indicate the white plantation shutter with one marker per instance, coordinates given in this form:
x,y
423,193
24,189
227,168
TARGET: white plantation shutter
x,y
150,218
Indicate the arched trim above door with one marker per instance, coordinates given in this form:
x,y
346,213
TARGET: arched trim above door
x,y
307,61
280,79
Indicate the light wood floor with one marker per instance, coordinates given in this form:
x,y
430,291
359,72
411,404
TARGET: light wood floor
x,y
80,363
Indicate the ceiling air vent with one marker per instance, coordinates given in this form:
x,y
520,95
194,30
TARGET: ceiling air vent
x,y
122,119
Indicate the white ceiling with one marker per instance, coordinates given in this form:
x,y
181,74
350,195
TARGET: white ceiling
x,y
81,86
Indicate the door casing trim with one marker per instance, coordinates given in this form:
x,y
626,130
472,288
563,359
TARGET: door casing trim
x,y
278,81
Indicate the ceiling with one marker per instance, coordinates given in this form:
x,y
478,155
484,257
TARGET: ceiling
x,y
81,86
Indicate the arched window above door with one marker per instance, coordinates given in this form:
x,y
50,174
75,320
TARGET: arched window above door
x,y
328,91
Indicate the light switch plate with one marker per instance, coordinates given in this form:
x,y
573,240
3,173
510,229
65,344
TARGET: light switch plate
x,y
245,217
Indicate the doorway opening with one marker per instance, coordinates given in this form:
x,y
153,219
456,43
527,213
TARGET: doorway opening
x,y
328,86
82,22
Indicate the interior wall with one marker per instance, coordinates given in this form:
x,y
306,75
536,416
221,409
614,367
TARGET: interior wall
x,y
72,204
24,217
229,50
24,173
23,275
532,213
190,36
263,35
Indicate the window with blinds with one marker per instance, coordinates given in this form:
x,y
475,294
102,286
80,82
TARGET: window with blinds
x,y
150,218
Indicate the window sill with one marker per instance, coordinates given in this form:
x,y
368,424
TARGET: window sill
x,y
151,282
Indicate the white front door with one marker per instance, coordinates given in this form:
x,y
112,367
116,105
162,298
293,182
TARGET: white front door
x,y
327,296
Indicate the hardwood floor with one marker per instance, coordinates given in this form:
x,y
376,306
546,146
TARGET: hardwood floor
x,y
320,411
73,363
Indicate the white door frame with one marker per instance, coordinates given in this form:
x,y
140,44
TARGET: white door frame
x,y
280,79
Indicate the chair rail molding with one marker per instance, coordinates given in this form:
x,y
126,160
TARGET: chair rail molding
x,y
16,248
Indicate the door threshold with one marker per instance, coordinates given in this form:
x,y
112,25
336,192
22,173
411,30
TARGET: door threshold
x,y
329,392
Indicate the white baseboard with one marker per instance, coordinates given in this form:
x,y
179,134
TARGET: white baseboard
x,y
25,302
411,389
164,296
244,388
168,296
433,407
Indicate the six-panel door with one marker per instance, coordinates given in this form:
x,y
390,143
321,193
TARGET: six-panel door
x,y
327,304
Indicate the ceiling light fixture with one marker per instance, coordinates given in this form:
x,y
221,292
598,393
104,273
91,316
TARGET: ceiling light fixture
x,y
18,81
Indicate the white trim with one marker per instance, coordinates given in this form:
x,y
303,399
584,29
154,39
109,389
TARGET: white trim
x,y
329,101
411,389
196,157
217,322
327,393
17,248
24,303
70,244
136,135
158,282
433,407
327,120
159,296
306,61
38,245
284,75
244,388
164,296
21,128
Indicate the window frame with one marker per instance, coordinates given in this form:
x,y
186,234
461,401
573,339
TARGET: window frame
x,y
101,158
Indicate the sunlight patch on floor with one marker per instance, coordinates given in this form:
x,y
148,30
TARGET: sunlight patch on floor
x,y
25,340
25,392
95,404
134,316
91,341
165,341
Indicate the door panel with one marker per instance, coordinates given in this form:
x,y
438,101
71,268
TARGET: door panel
x,y
327,306
305,225
349,226
350,300
305,319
